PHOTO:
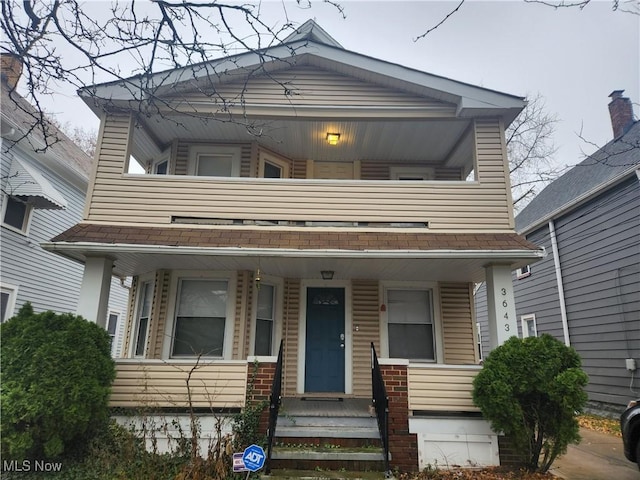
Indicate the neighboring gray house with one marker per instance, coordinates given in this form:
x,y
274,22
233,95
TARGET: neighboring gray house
x,y
586,292
43,194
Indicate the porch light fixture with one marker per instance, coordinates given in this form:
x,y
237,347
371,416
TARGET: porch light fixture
x,y
327,274
333,138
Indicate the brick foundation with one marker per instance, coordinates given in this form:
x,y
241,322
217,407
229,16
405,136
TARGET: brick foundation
x,y
403,445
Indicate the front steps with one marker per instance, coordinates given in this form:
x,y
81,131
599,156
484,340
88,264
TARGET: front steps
x,y
325,435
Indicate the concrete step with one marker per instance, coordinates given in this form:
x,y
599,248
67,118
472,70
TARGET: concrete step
x,y
327,427
327,457
285,474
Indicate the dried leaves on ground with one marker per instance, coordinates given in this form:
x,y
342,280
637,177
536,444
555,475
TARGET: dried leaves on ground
x,y
492,473
600,424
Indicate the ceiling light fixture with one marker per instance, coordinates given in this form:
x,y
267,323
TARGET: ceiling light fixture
x,y
333,138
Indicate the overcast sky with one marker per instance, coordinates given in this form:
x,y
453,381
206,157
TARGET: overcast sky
x,y
574,58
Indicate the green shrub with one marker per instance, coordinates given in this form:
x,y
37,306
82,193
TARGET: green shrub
x,y
56,377
532,390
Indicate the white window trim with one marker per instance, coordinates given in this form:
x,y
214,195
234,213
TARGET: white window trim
x,y
281,162
348,330
26,223
12,290
196,150
170,324
278,283
427,173
437,321
478,333
523,324
523,272
134,331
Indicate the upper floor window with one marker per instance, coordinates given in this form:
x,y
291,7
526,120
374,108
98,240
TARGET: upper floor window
x,y
410,324
271,166
214,161
16,213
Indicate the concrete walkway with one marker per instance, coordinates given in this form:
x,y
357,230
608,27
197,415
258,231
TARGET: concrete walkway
x,y
598,457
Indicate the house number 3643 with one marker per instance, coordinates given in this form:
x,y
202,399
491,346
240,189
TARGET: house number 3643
x,y
504,304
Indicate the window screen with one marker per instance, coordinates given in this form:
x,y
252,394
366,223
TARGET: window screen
x,y
200,318
410,324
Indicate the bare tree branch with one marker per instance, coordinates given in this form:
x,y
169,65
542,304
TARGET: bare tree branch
x,y
419,37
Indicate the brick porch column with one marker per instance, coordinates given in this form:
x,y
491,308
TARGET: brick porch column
x,y
403,445
261,373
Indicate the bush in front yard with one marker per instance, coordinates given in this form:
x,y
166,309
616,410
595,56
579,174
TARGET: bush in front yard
x,y
532,390
56,378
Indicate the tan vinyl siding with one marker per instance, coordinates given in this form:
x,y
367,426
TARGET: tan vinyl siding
x,y
156,383
444,205
299,169
290,334
306,85
441,389
160,312
366,319
491,157
130,312
456,301
242,316
442,173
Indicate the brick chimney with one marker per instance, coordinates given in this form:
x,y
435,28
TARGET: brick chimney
x,y
11,69
621,112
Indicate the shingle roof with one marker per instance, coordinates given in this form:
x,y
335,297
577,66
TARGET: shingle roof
x,y
20,112
288,239
617,158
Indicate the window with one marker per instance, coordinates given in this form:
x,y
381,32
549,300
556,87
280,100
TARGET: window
x,y
479,340
410,324
411,173
16,213
143,313
112,327
273,167
265,320
201,313
523,272
211,161
160,166
529,328
7,305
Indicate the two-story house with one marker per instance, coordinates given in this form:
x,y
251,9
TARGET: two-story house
x,y
586,292
43,194
315,198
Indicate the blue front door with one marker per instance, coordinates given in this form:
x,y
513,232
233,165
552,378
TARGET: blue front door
x,y
324,363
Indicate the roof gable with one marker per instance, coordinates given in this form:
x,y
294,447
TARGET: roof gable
x,y
613,162
312,46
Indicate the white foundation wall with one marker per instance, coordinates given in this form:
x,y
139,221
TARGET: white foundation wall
x,y
163,432
448,442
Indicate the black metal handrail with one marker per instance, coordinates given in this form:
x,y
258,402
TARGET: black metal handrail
x,y
381,405
274,407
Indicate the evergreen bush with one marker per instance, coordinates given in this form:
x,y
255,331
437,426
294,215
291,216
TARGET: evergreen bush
x,y
532,390
56,378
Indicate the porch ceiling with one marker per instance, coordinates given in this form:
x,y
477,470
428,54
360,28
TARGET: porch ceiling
x,y
374,139
304,254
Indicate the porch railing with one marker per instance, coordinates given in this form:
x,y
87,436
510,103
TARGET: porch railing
x,y
274,407
381,404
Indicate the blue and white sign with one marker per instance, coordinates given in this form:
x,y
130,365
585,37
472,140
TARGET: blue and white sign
x,y
253,457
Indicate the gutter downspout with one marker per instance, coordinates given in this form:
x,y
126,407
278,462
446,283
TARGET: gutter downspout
x,y
558,269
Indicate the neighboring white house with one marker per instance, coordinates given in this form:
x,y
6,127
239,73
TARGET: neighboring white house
x,y
43,194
